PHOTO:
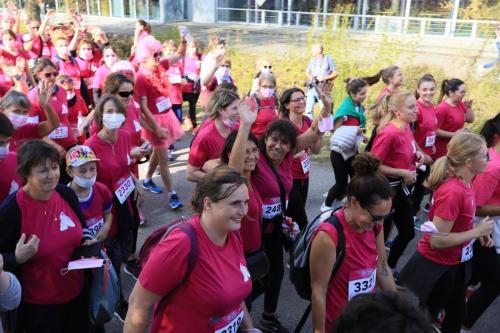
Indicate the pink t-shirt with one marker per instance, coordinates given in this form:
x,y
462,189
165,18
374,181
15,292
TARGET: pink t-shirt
x,y
425,131
175,73
395,147
301,165
207,145
453,201
23,134
9,180
70,68
451,119
250,230
192,67
158,102
487,184
63,135
266,114
211,297
132,124
100,77
360,262
60,233
88,69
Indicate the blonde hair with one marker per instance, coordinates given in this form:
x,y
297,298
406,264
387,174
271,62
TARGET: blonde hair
x,y
391,103
220,99
462,146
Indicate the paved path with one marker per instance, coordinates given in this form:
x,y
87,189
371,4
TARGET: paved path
x,y
290,306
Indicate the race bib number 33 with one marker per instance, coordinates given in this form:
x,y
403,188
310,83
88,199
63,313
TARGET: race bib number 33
x,y
362,282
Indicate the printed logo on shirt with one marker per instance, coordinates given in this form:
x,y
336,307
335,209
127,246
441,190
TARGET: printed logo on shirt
x,y
244,272
66,222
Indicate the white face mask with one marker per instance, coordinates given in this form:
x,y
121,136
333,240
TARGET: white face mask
x,y
86,55
113,121
83,182
229,123
11,44
17,120
266,92
4,150
63,50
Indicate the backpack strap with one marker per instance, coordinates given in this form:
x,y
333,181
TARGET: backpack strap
x,y
334,221
189,230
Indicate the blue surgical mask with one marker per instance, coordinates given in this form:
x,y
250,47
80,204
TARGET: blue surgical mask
x,y
83,182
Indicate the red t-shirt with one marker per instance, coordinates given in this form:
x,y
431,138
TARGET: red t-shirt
x,y
88,69
22,134
158,103
357,273
113,168
192,67
266,184
8,59
216,287
99,201
250,230
70,68
63,135
487,184
395,148
100,77
267,112
451,119
9,180
175,73
452,201
425,131
301,165
60,233
207,145
36,48
48,50
132,124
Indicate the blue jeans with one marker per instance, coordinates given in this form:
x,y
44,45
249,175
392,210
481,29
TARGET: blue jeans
x,y
311,99
177,108
497,61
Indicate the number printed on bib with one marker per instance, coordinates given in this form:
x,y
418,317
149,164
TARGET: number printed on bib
x,y
59,133
94,225
467,252
163,104
230,322
430,140
305,162
123,188
362,281
271,208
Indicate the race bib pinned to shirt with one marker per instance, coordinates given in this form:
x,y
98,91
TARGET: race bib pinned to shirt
x,y
305,163
123,188
271,208
430,140
467,251
95,224
228,323
163,104
362,281
59,133
137,126
64,109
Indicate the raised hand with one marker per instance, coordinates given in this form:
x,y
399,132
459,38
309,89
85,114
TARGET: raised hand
x,y
247,114
44,92
324,90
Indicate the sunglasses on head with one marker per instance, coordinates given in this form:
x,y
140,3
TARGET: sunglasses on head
x,y
51,75
379,218
126,93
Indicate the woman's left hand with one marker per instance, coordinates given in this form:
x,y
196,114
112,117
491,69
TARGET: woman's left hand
x,y
420,157
486,241
468,103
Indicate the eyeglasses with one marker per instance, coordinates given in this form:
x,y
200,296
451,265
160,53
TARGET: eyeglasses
x,y
51,75
299,99
379,218
68,81
226,66
268,66
126,93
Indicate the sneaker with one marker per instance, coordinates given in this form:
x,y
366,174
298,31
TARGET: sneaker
x,y
271,326
151,186
471,290
142,218
427,207
174,202
121,311
170,155
132,268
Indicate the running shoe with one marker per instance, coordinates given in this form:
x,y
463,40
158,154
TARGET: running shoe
x,y
121,310
272,326
142,218
132,268
151,186
174,202
471,290
170,155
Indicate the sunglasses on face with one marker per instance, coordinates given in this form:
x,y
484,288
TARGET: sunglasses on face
x,y
299,99
225,66
268,66
156,54
51,75
379,218
68,81
126,93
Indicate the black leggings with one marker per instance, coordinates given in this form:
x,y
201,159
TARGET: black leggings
x,y
419,191
449,294
297,202
272,243
192,99
403,219
488,262
342,169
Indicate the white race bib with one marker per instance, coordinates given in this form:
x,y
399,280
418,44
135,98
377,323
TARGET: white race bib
x,y
362,282
77,83
467,252
305,162
430,140
163,104
64,109
94,225
137,126
59,133
271,208
174,79
123,188
230,322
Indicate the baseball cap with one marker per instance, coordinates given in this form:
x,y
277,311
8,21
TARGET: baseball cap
x,y
79,155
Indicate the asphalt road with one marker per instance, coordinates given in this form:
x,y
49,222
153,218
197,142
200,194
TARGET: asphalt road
x,y
290,307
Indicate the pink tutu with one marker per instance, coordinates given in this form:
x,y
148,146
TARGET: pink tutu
x,y
169,122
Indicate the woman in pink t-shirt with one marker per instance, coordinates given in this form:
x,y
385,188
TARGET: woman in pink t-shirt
x,y
439,270
364,266
207,295
110,58
395,147
191,91
487,258
452,113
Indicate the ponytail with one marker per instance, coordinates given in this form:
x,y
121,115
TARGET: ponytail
x,y
449,86
491,130
354,85
439,173
385,74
